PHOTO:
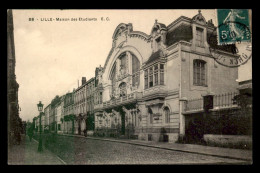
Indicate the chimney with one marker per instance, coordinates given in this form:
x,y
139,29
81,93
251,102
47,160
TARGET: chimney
x,y
83,81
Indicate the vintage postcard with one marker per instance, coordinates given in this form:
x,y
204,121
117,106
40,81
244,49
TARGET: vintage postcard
x,y
120,87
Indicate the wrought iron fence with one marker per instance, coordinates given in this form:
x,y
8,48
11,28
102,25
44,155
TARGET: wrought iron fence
x,y
225,100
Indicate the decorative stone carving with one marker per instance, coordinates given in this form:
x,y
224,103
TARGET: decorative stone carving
x,y
199,18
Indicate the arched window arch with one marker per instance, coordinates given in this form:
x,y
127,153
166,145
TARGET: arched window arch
x,y
199,72
166,112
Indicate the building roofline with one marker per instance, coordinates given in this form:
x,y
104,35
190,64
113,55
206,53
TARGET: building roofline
x,y
181,18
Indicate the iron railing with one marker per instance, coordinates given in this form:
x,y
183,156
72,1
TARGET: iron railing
x,y
128,97
224,100
220,101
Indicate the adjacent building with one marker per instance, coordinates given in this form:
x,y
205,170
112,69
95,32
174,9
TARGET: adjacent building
x,y
69,116
53,120
47,111
80,106
91,87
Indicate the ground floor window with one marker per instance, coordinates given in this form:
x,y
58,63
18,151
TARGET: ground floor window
x,y
167,114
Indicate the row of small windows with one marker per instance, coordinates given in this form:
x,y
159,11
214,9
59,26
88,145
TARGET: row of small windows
x,y
154,76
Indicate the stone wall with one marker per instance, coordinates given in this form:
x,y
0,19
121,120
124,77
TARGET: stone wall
x,y
233,141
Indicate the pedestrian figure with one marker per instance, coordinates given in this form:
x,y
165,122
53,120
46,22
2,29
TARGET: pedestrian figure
x,y
30,133
85,132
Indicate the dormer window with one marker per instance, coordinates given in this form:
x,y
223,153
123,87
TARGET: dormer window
x,y
199,37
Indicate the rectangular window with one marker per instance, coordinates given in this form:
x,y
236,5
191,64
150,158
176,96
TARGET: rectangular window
x,y
151,118
199,37
101,98
146,79
156,78
199,72
151,77
156,74
161,74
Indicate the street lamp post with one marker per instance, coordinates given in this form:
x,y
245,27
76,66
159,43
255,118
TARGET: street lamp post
x,y
40,106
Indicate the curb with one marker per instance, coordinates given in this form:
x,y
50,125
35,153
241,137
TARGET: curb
x,y
53,153
165,148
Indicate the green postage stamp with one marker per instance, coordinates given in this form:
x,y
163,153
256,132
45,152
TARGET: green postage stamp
x,y
233,26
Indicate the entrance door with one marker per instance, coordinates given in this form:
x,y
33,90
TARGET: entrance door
x,y
123,123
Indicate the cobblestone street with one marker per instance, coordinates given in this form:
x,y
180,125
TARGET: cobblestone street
x,y
88,151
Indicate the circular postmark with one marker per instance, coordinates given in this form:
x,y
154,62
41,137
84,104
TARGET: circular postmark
x,y
231,46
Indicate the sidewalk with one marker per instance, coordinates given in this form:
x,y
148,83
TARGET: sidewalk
x,y
230,153
26,154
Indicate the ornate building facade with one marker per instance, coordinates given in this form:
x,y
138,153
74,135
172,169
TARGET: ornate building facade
x,y
141,88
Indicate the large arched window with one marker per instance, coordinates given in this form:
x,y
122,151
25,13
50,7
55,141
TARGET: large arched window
x,y
113,78
123,64
199,72
135,71
166,112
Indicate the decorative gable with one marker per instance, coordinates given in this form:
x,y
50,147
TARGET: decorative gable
x,y
199,19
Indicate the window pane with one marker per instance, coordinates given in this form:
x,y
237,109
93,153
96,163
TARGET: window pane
x,y
156,78
135,64
151,81
156,67
146,83
199,72
161,78
161,66
146,73
150,71
199,37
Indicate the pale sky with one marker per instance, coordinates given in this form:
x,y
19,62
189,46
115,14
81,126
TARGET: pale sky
x,y
51,56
